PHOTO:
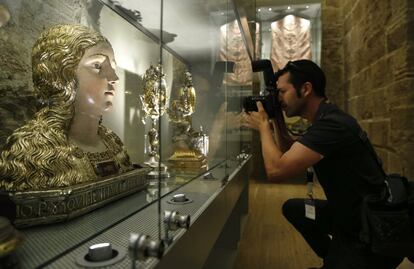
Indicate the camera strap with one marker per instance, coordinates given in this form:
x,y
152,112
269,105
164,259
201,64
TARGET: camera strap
x,y
309,183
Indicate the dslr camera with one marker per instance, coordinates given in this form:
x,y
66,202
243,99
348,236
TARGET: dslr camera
x,y
270,101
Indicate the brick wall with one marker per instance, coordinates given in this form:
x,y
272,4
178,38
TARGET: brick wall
x,y
368,54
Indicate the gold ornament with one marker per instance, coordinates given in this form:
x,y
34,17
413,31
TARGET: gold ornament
x,y
39,156
155,94
190,146
182,108
154,102
39,165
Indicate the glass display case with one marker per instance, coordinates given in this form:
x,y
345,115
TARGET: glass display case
x,y
110,112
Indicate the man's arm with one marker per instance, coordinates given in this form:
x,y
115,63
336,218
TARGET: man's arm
x,y
283,139
279,166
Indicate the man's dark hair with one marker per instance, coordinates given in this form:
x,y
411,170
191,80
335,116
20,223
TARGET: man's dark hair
x,y
302,71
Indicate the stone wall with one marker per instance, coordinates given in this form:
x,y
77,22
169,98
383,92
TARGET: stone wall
x,y
368,54
28,19
332,59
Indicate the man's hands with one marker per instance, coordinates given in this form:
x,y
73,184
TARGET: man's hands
x,y
260,121
256,120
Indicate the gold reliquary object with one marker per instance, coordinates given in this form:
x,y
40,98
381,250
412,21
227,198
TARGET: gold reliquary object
x,y
49,170
188,162
56,205
190,146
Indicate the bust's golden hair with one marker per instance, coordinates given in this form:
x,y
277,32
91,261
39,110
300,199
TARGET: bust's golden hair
x,y
38,155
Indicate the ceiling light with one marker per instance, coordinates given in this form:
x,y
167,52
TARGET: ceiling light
x,y
307,6
258,9
270,9
288,7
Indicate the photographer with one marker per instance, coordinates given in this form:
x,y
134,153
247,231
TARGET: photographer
x,y
343,165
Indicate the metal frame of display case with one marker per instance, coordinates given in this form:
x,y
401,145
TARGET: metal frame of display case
x,y
218,206
141,28
216,214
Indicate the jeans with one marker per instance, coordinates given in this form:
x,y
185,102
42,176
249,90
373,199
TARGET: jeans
x,y
337,252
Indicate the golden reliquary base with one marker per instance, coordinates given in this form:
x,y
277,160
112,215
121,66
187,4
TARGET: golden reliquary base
x,y
187,161
49,206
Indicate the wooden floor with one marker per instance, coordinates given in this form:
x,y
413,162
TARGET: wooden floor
x,y
269,241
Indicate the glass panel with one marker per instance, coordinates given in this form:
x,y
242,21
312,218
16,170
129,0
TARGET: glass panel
x,y
239,82
129,101
205,87
72,121
289,31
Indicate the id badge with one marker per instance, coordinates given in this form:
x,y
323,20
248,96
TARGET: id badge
x,y
310,209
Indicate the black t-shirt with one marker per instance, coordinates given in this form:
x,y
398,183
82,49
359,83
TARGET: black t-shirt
x,y
348,170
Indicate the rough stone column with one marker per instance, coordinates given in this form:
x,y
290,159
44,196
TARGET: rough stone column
x,y
332,61
378,74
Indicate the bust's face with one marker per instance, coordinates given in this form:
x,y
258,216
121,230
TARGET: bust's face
x,y
96,81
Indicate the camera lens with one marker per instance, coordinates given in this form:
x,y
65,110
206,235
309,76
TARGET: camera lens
x,y
249,103
270,103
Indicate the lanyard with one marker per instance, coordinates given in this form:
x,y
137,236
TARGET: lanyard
x,y
309,183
